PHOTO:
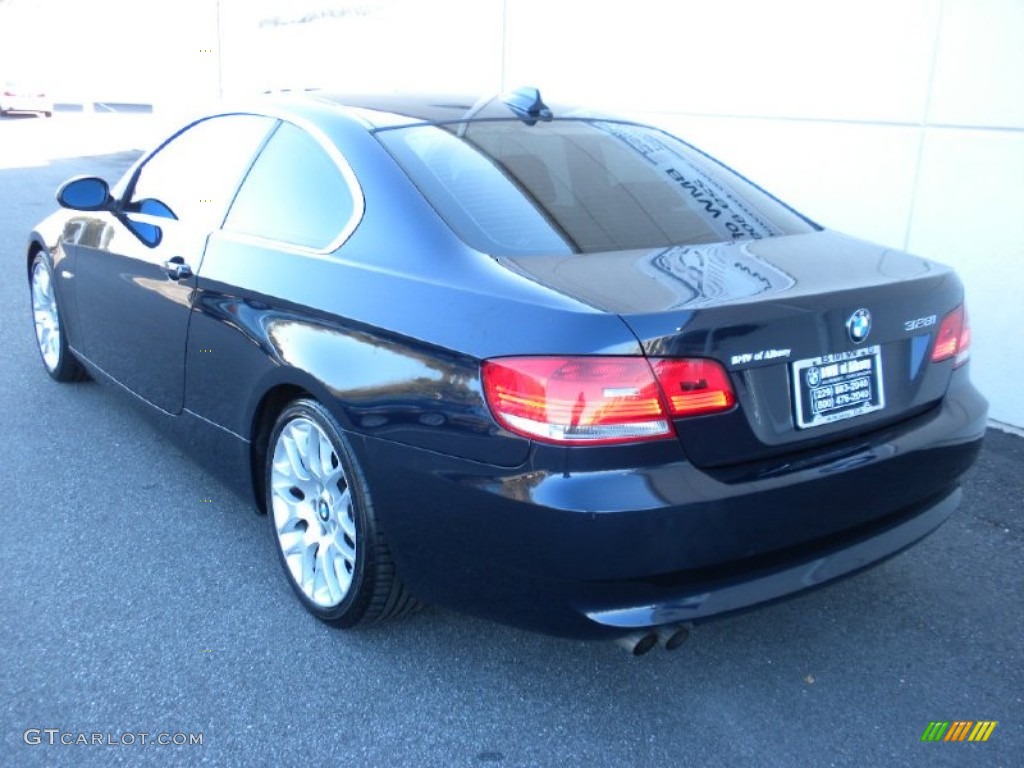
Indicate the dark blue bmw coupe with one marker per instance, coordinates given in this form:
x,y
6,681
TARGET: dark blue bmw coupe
x,y
553,368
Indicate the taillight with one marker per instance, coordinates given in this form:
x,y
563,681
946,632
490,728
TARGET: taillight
x,y
953,338
601,400
694,386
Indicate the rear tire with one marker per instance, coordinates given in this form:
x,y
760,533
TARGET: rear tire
x,y
322,519
51,338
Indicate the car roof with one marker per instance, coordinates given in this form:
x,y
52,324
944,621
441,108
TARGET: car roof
x,y
388,110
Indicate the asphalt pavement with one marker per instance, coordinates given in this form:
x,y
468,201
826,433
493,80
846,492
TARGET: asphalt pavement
x,y
139,596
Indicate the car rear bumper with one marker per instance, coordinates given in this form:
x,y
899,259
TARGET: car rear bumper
x,y
573,544
714,599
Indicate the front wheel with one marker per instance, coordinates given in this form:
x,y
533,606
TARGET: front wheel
x,y
51,340
322,518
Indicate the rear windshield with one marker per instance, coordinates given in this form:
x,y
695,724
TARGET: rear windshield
x,y
581,186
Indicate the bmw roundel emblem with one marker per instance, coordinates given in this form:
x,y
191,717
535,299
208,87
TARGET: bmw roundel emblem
x,y
859,325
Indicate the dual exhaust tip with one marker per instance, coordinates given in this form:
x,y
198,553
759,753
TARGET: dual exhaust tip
x,y
669,636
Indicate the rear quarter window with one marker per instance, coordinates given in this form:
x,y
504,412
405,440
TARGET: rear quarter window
x,y
295,193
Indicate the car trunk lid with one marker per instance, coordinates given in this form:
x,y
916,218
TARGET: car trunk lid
x,y
824,336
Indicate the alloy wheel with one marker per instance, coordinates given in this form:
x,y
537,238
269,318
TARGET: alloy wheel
x,y
314,518
45,315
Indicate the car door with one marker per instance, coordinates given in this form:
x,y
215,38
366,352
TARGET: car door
x,y
134,286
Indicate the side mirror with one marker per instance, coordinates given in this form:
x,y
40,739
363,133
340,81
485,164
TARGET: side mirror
x,y
85,193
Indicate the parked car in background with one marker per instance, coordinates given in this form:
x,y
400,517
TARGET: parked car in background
x,y
24,98
560,370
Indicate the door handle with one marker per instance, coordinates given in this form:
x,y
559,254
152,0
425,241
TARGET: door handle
x,y
177,269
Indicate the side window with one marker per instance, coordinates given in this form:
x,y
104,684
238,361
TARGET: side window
x,y
197,173
294,193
